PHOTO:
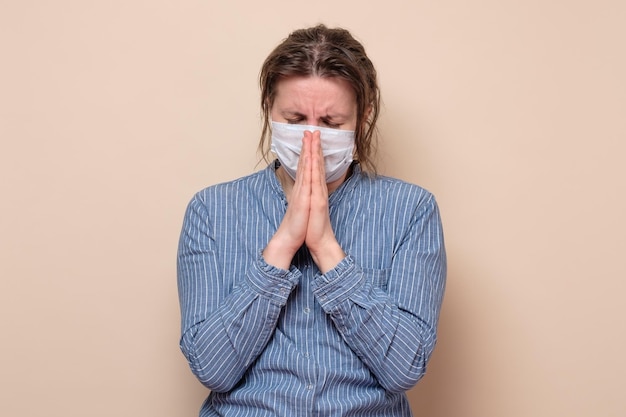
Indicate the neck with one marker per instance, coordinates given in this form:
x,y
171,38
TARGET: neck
x,y
285,181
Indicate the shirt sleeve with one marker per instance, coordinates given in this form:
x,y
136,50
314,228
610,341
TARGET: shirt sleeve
x,y
224,330
392,329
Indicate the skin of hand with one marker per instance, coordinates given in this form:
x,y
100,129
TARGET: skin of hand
x,y
307,219
320,237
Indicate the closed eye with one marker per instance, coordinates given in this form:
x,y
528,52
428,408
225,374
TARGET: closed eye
x,y
330,124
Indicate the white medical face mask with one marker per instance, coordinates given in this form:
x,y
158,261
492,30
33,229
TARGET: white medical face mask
x,y
337,147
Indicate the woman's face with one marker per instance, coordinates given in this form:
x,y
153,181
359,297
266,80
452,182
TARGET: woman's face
x,y
315,101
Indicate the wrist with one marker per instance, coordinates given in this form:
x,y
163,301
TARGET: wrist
x,y
278,254
328,256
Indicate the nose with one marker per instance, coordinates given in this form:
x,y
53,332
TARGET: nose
x,y
315,123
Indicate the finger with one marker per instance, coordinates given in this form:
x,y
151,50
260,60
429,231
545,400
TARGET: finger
x,y
296,217
318,170
306,154
304,160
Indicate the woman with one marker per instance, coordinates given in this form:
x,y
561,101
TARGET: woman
x,y
312,287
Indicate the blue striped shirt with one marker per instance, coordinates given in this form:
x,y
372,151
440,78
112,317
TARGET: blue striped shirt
x,y
274,342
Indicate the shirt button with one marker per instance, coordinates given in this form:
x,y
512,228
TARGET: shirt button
x,y
307,310
309,387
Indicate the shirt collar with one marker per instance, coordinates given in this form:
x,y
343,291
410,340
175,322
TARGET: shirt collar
x,y
335,196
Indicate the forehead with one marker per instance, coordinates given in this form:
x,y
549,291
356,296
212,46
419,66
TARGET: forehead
x,y
316,94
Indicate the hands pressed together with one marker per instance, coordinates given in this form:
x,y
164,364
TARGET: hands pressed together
x,y
307,219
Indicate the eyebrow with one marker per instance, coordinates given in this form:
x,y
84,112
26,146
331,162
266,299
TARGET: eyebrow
x,y
335,116
291,113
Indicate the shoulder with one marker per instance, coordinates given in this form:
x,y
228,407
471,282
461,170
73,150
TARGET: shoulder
x,y
225,191
394,189
221,200
401,202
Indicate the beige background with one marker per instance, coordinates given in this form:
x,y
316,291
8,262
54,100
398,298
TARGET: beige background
x,y
113,113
